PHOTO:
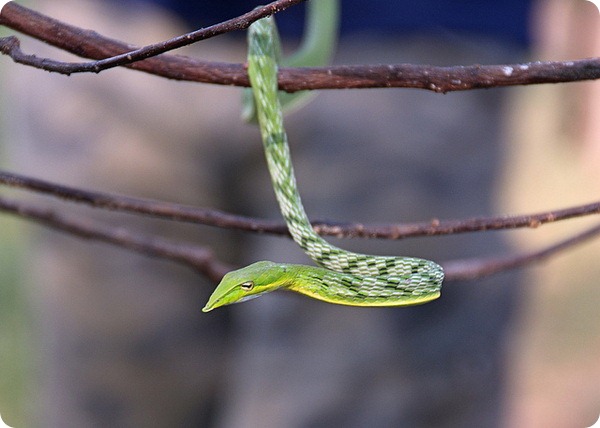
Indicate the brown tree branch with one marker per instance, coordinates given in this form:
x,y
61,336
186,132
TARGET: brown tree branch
x,y
202,259
217,218
480,267
111,52
198,258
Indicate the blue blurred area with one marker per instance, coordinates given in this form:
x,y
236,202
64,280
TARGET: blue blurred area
x,y
506,20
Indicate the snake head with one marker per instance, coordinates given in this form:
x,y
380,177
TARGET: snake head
x,y
247,283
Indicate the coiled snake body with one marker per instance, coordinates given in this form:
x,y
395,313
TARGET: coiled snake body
x,y
343,277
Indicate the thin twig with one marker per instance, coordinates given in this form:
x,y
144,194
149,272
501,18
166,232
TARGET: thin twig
x,y
198,258
480,267
130,55
111,52
213,217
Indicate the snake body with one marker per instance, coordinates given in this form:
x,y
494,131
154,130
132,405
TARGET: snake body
x,y
343,277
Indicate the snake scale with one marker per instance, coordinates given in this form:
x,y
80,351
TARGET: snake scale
x,y
342,277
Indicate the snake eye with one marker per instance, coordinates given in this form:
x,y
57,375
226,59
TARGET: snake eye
x,y
247,286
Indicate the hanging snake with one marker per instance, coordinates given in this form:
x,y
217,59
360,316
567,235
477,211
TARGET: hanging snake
x,y
343,277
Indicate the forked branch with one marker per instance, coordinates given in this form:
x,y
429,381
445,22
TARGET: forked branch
x,y
203,260
217,218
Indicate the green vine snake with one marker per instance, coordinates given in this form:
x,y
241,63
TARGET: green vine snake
x,y
342,277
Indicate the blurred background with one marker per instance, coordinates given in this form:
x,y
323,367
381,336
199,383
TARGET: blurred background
x,y
91,335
